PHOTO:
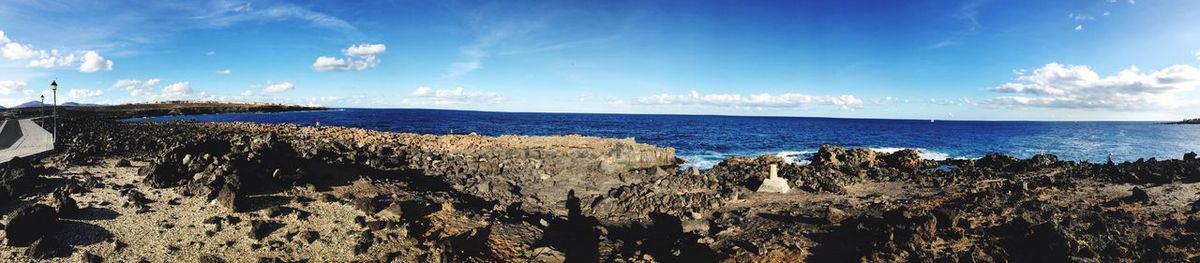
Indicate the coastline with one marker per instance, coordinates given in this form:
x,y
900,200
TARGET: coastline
x,y
249,192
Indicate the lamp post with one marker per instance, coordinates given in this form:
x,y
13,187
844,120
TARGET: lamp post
x,y
54,90
42,109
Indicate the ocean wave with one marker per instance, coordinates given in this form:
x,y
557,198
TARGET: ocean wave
x,y
797,157
708,159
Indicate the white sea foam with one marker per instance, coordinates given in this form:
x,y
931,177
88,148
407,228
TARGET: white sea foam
x,y
924,153
797,157
802,157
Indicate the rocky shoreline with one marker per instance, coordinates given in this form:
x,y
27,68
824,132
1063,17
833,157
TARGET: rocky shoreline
x,y
240,192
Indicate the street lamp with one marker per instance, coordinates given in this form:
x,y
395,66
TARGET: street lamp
x,y
42,109
54,89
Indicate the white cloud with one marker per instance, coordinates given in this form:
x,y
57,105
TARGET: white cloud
x,y
17,51
953,102
130,84
38,58
364,50
210,53
93,62
455,96
1080,17
330,64
1197,54
278,87
359,57
83,94
177,90
785,100
224,72
10,87
54,59
1073,86
1078,27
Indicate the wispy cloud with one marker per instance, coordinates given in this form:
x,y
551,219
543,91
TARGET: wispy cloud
x,y
967,13
219,14
520,28
272,88
455,96
764,100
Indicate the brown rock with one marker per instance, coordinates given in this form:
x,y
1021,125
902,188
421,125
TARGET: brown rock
x,y
835,216
228,198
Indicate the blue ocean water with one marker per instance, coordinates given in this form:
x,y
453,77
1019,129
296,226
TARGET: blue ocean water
x,y
704,140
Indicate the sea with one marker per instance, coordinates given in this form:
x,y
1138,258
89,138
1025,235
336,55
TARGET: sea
x,y
705,140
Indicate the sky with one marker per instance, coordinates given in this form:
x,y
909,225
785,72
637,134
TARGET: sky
x,y
918,59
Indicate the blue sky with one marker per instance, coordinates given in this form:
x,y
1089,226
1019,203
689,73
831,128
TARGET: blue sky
x,y
995,60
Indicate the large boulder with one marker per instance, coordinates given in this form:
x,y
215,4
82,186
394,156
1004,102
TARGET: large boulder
x,y
229,198
29,223
828,155
996,161
861,158
905,160
162,174
16,177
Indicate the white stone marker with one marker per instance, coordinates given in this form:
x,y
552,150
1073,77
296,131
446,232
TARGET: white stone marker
x,y
774,183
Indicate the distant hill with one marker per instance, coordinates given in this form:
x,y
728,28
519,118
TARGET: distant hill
x,y
35,104
30,104
76,104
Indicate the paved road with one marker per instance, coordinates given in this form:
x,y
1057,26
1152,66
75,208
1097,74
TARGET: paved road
x,y
32,140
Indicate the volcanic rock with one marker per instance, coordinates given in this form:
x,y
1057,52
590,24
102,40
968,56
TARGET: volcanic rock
x,y
29,223
46,248
828,155
906,160
996,161
392,212
835,216
1138,195
260,229
309,236
364,242
229,199
210,259
63,204
365,204
16,178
